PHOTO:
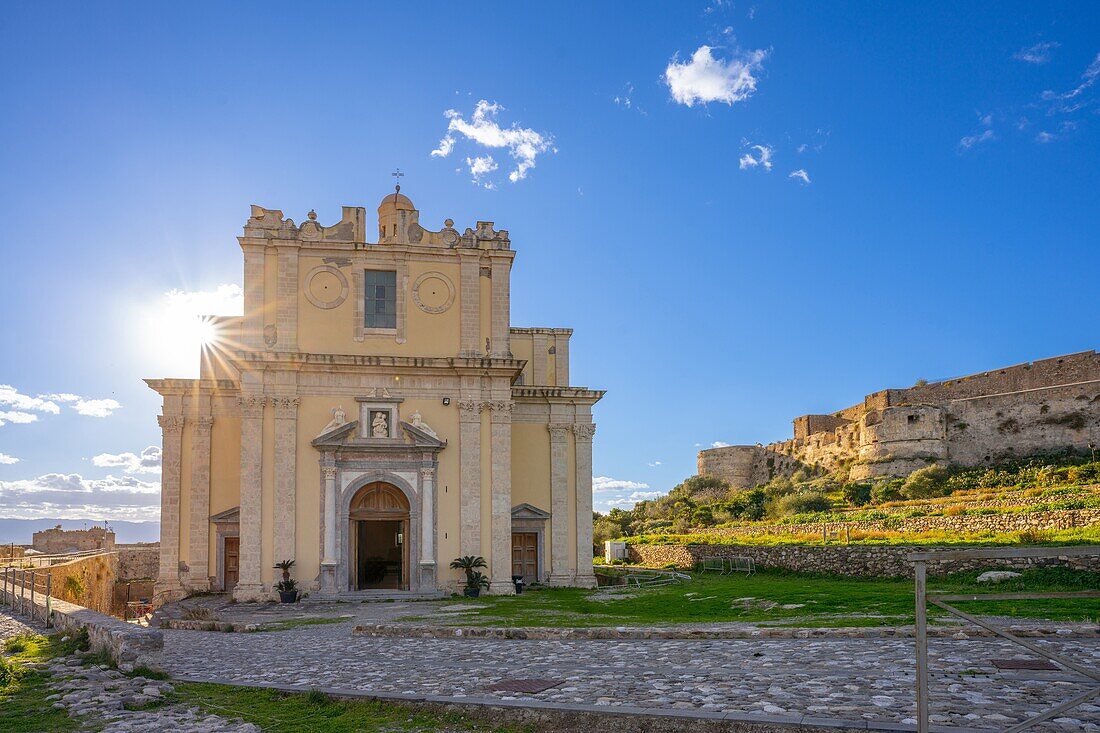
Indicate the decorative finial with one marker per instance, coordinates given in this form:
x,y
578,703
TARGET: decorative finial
x,y
312,215
397,174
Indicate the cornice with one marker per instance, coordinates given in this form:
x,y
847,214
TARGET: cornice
x,y
191,386
285,360
557,394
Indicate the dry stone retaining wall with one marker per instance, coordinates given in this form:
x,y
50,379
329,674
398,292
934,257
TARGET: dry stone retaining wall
x,y
852,560
1010,522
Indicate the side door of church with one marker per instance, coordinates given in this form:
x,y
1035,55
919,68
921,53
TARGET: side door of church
x,y
525,555
231,572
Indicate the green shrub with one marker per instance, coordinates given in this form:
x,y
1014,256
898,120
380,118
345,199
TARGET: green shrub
x,y
857,494
886,491
926,483
804,502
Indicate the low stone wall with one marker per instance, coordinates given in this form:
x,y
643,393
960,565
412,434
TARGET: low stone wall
x,y
127,645
87,581
1015,522
887,561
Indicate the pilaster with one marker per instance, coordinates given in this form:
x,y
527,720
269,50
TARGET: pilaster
x,y
560,572
329,559
199,553
286,305
286,443
250,586
469,302
427,514
582,435
168,576
253,330
501,335
469,447
500,565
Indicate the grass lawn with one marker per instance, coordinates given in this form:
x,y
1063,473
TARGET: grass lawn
x,y
23,705
280,712
810,600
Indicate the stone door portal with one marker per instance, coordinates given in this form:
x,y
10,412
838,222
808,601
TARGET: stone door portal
x,y
378,538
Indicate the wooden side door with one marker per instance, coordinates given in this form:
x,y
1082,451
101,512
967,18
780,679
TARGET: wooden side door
x,y
525,555
231,567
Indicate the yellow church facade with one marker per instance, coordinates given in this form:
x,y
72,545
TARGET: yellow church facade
x,y
372,416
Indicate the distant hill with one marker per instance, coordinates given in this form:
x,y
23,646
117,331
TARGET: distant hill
x,y
19,531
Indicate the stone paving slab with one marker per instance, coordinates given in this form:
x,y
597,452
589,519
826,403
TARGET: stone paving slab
x,y
869,680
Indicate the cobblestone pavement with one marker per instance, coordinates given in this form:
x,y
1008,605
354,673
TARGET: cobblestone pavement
x,y
12,626
853,679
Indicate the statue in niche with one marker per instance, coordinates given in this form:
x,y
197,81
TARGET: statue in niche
x,y
380,425
339,417
417,421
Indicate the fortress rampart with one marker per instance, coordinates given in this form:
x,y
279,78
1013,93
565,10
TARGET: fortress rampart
x,y
1044,406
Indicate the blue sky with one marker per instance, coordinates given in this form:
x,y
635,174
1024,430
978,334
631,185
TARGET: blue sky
x,y
747,211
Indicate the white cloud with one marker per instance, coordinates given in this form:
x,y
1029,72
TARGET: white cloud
x,y
48,403
147,462
1037,54
801,175
606,483
971,140
761,157
706,79
90,408
16,416
654,464
71,496
1088,78
12,397
7,460
628,502
479,167
719,444
523,143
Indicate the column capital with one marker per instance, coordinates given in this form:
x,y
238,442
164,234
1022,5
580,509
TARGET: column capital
x,y
470,410
558,431
428,473
202,424
584,431
500,406
171,424
252,405
286,406
329,472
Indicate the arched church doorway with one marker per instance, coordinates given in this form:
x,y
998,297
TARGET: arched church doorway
x,y
378,538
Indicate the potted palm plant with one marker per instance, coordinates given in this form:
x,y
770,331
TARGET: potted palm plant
x,y
469,564
474,583
287,587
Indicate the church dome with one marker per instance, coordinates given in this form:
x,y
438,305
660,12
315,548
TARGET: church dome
x,y
396,201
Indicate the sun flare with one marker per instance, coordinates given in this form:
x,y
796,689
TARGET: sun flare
x,y
180,324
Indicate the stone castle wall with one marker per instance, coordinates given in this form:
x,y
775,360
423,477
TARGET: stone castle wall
x,y
56,541
883,561
1048,406
139,561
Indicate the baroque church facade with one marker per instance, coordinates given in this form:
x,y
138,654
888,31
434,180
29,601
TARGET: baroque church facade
x,y
373,415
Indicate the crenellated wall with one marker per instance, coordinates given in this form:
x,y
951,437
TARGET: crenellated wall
x,y
1046,406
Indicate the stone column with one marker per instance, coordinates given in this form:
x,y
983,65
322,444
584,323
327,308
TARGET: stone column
x,y
330,559
500,564
469,452
286,303
560,572
469,301
286,467
500,347
427,519
168,576
582,434
200,503
250,584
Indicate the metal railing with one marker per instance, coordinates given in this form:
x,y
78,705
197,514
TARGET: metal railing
x,y
920,561
44,561
21,587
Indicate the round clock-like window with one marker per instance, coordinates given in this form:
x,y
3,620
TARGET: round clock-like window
x,y
433,292
326,287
